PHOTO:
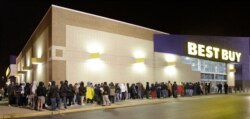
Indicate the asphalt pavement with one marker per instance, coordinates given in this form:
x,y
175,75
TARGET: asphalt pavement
x,y
216,107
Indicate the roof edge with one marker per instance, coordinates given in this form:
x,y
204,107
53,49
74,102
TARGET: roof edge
x,y
106,18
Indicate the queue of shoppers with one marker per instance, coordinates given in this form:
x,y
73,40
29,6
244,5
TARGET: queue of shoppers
x,y
37,96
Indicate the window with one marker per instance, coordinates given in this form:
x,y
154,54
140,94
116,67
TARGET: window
x,y
210,70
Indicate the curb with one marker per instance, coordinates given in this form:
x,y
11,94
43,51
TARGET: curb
x,y
51,113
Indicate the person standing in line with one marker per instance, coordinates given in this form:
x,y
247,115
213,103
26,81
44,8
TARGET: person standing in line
x,y
22,95
153,91
147,90
82,93
126,91
70,94
76,94
123,91
226,87
164,90
208,87
129,91
53,94
106,92
112,92
169,89
98,94
133,91
63,93
90,93
11,93
174,90
33,95
117,92
219,88
188,88
47,98
191,89
41,93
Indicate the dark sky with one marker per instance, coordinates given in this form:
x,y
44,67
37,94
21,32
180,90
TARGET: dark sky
x,y
20,18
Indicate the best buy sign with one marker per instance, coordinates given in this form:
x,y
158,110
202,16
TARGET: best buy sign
x,y
210,52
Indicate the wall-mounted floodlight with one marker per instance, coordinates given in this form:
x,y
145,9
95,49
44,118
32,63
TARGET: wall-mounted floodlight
x,y
37,60
21,72
231,68
27,68
140,60
95,55
171,63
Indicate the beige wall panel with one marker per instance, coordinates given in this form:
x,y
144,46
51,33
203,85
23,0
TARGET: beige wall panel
x,y
58,70
117,56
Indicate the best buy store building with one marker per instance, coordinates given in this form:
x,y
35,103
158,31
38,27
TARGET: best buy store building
x,y
77,46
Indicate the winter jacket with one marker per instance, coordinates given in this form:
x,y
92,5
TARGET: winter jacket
x,y
106,90
82,91
53,92
90,92
41,91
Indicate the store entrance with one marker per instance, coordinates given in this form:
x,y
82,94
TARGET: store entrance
x,y
214,85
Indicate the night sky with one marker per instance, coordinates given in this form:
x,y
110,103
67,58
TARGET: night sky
x,y
20,18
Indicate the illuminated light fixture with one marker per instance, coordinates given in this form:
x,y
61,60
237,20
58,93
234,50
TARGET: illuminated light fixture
x,y
140,60
232,70
26,68
171,63
21,72
36,60
95,55
7,73
16,75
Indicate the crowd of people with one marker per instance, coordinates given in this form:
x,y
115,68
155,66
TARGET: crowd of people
x,y
55,97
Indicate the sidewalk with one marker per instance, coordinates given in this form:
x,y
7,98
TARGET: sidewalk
x,y
17,112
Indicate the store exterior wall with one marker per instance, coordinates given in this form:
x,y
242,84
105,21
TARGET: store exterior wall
x,y
168,67
37,47
73,32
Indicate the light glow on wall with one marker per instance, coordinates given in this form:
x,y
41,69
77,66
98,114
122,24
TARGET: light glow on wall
x,y
28,62
170,58
231,66
95,48
139,67
170,70
28,76
231,69
39,68
95,64
139,54
39,52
